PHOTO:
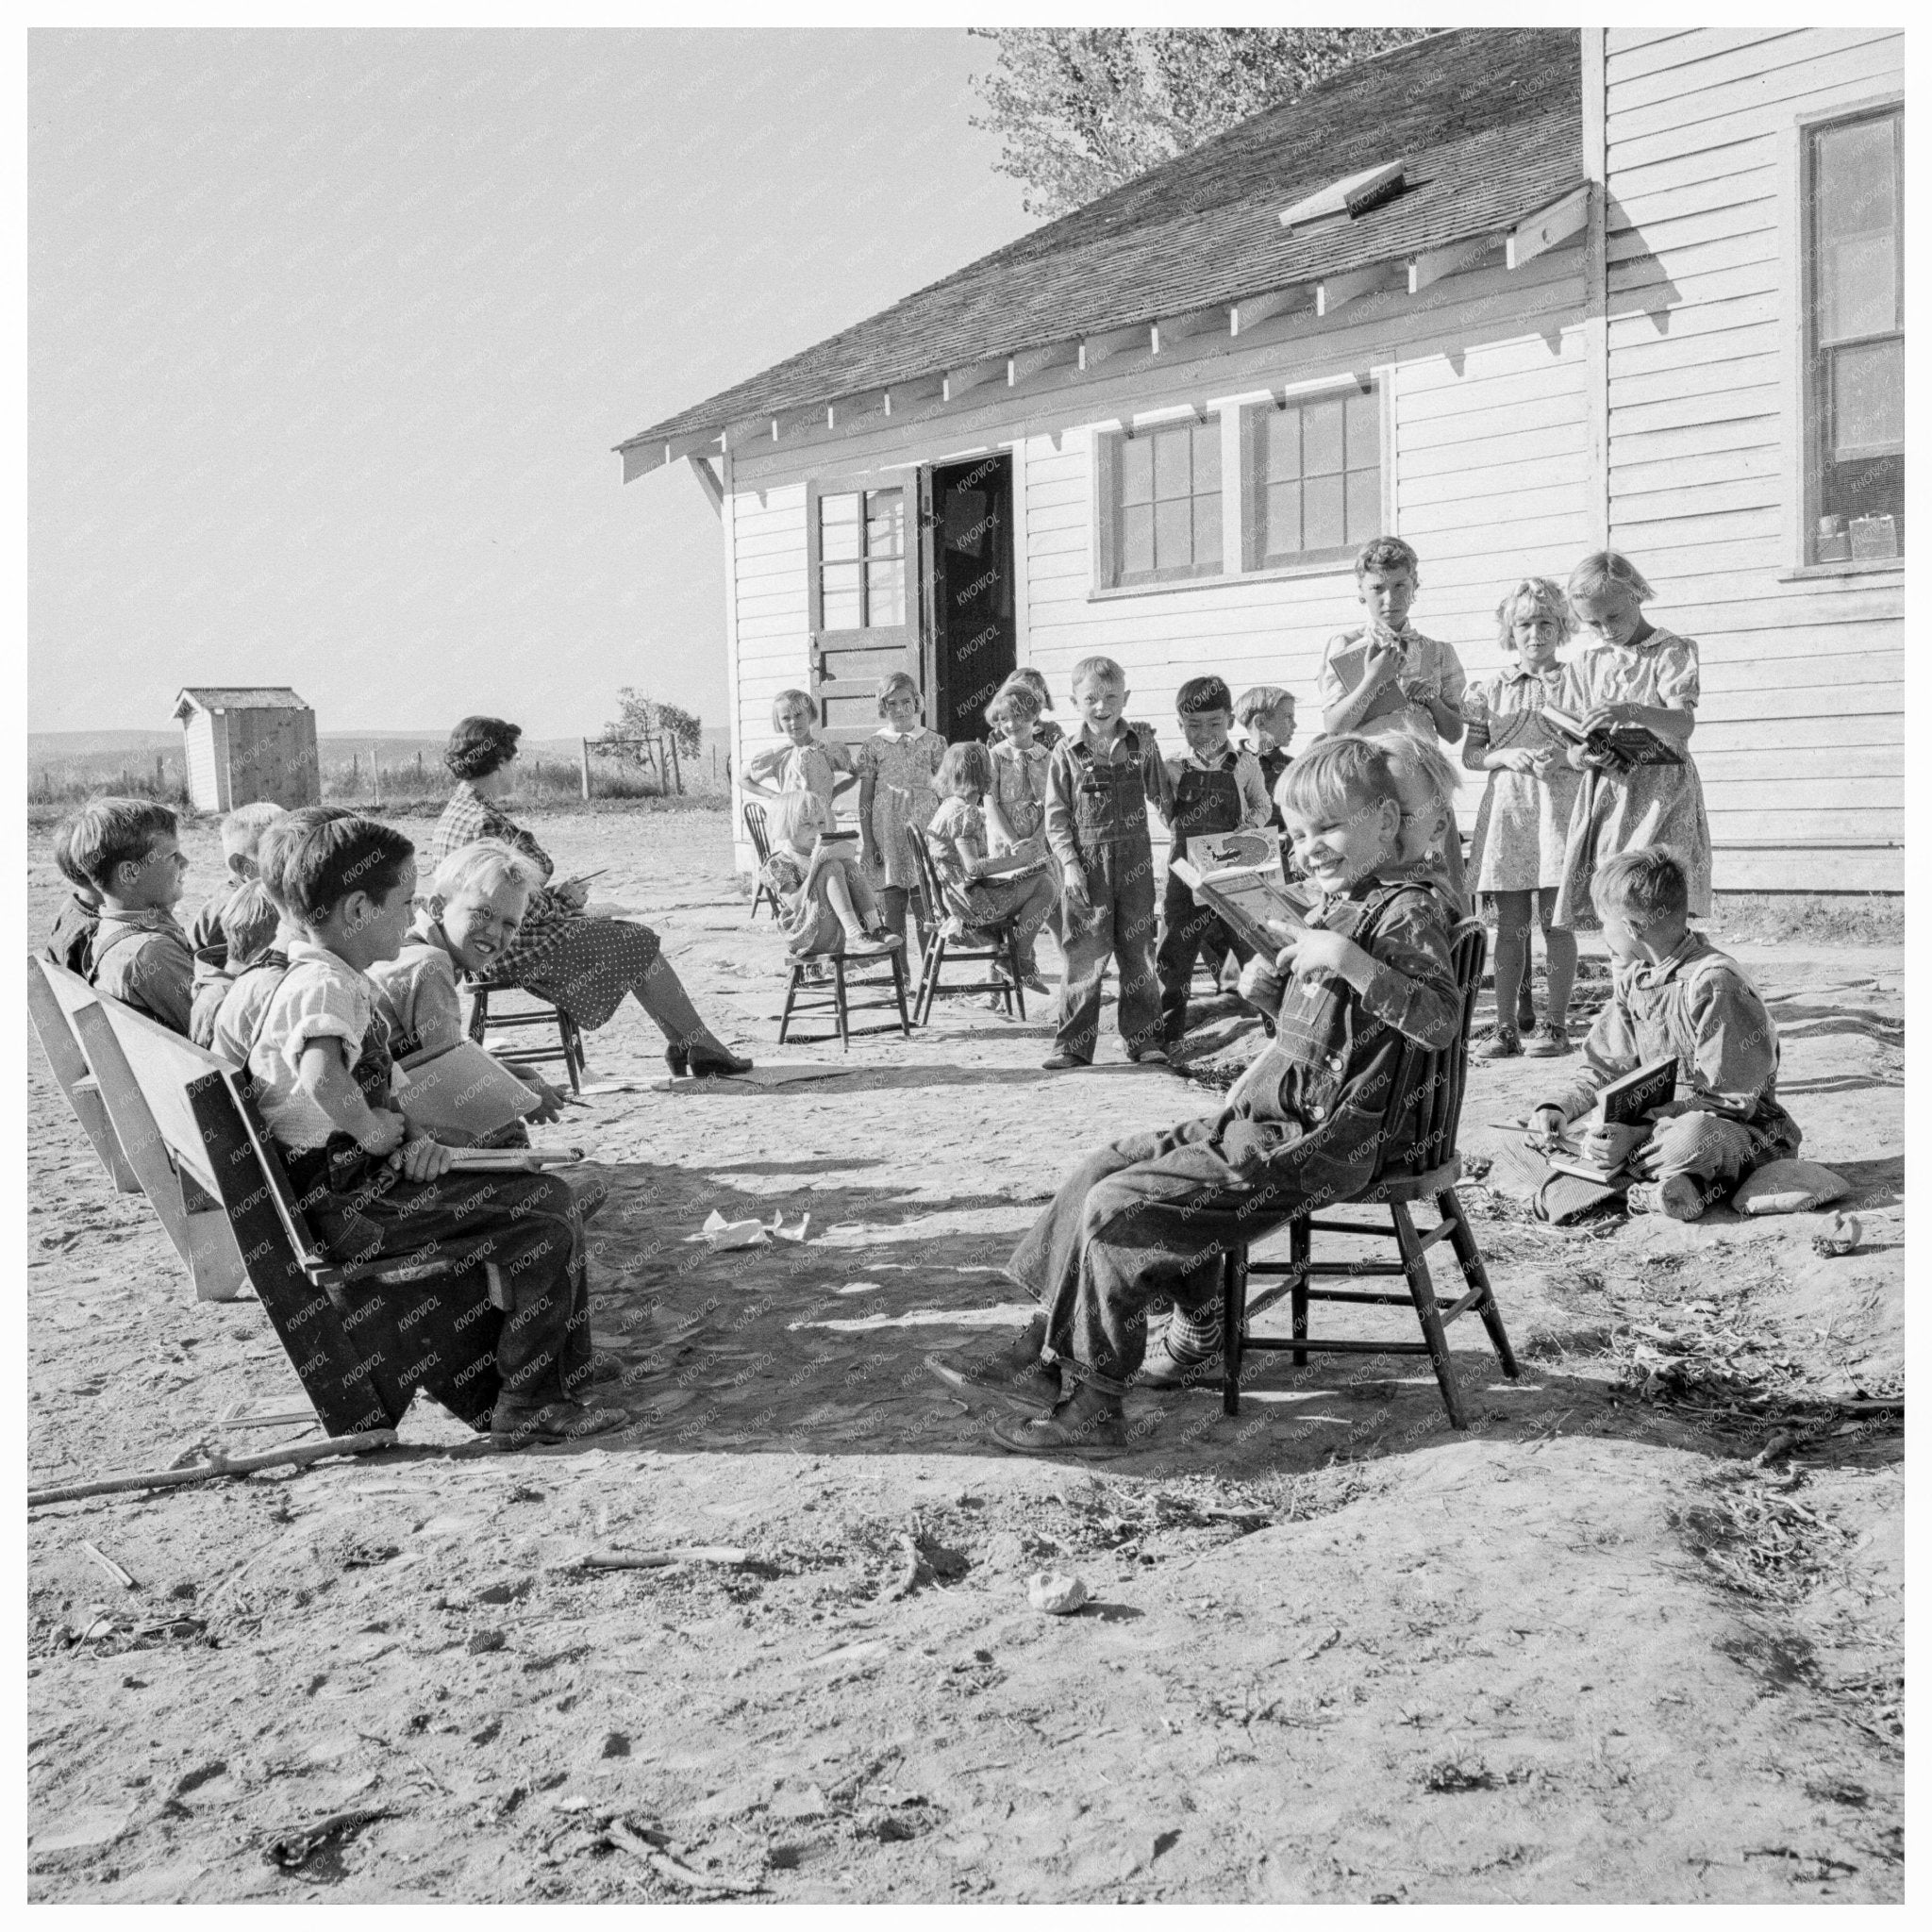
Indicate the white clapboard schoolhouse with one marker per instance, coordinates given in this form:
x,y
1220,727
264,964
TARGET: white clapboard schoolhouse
x,y
1509,293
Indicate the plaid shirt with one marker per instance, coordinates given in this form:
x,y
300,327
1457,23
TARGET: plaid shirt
x,y
468,817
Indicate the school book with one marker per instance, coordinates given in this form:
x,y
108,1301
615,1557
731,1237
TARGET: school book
x,y
1629,744
461,1089
1626,1102
1260,907
1212,853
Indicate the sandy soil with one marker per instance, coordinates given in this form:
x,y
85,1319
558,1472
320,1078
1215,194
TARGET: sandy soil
x,y
1602,1647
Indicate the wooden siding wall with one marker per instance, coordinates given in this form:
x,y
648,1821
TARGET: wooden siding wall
x,y
198,745
1487,417
1799,736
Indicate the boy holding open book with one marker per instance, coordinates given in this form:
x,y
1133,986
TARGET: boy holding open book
x,y
1674,995
370,1183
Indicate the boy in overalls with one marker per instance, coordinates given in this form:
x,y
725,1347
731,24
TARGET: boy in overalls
x,y
1310,1124
1099,783
1212,788
370,1184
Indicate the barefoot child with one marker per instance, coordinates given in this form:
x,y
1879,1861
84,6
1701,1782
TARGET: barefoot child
x,y
1674,993
369,1183
79,916
1637,674
802,761
895,769
1387,677
128,850
1311,1122
981,890
825,901
246,934
472,917
1100,782
1523,823
1210,788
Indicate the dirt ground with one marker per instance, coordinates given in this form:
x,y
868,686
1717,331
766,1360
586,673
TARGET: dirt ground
x,y
1636,1636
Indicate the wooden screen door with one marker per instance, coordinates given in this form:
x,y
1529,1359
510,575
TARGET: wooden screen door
x,y
862,552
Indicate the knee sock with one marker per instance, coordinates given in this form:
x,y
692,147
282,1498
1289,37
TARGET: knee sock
x,y
1559,951
1193,1337
1512,955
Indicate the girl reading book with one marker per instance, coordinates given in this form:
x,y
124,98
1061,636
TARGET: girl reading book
x,y
1642,682
826,904
981,890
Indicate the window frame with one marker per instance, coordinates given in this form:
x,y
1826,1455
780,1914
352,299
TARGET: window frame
x,y
1107,444
1804,414
1306,562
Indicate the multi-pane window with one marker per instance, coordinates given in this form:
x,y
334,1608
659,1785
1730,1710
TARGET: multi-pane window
x,y
1161,504
862,559
1314,479
1856,402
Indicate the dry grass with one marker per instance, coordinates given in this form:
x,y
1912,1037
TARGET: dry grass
x,y
1828,919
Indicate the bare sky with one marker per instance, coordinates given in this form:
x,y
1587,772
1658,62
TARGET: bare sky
x,y
332,334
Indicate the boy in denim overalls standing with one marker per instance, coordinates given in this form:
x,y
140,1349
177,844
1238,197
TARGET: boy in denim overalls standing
x,y
1099,784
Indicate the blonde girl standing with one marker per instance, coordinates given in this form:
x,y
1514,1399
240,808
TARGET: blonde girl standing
x,y
801,761
895,769
1523,827
1635,675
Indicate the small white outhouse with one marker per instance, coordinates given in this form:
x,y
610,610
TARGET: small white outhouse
x,y
248,742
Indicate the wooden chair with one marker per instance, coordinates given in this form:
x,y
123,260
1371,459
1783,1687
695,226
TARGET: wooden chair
x,y
1401,1183
761,844
363,1335
997,945
807,973
486,1017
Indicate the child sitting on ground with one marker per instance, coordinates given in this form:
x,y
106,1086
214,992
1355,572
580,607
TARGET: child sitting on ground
x,y
247,933
369,1183
241,833
1674,994
74,925
128,850
825,903
1428,781
1210,788
981,890
472,915
1316,1117
804,762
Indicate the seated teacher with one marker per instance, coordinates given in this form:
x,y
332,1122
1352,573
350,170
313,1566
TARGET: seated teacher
x,y
583,965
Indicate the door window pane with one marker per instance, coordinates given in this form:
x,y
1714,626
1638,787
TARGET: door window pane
x,y
1315,478
837,528
843,609
885,523
885,593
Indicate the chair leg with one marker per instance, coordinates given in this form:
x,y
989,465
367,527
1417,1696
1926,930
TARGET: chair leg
x,y
1300,1246
1234,1321
1019,992
479,1014
1462,1239
1422,1291
839,1002
929,979
899,991
791,999
571,1042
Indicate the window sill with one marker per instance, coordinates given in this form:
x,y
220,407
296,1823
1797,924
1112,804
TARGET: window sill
x,y
1331,567
1854,567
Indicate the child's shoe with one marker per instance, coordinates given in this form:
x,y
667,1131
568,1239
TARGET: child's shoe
x,y
1502,1044
1149,1056
1548,1042
1679,1197
889,941
863,945
1062,1061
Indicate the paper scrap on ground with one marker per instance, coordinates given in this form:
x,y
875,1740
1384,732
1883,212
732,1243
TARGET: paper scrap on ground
x,y
621,1086
776,1226
766,1073
720,1233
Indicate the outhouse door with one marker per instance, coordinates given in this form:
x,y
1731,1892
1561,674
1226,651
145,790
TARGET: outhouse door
x,y
862,557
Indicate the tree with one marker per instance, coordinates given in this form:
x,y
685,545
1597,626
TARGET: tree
x,y
1080,111
643,717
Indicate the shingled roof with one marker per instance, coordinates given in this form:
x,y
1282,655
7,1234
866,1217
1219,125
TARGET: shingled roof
x,y
1487,120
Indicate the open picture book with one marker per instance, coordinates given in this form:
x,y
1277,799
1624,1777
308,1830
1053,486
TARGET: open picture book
x,y
1628,744
1626,1102
460,1091
1238,874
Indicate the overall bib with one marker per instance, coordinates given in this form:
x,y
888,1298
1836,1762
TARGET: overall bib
x,y
1203,803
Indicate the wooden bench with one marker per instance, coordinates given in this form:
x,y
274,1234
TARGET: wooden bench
x,y
363,1335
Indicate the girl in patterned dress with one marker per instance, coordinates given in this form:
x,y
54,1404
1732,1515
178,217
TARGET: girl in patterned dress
x,y
1047,733
804,762
1637,674
981,891
1016,801
583,965
826,905
896,768
1524,824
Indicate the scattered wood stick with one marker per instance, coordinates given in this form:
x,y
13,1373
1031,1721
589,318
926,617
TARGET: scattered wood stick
x,y
679,1874
108,1564
218,1465
656,1559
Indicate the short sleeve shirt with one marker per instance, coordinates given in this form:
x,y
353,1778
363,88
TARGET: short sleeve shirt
x,y
320,997
419,987
1426,660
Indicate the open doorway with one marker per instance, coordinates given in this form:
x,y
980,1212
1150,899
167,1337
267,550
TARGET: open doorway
x,y
970,626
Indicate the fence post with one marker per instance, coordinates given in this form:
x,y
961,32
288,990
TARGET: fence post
x,y
677,770
376,769
586,743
